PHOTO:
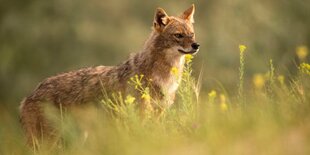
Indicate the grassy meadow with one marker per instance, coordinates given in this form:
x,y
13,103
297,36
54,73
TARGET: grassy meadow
x,y
247,91
271,117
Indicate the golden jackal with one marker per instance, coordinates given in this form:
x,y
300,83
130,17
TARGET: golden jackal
x,y
171,38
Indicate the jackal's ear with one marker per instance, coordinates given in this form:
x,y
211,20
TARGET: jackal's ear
x,y
161,19
189,14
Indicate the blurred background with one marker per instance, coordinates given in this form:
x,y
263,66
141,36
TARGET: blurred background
x,y
39,38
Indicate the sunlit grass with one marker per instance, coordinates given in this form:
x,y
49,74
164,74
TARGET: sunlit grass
x,y
275,120
241,74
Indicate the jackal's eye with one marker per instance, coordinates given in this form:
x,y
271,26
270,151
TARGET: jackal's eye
x,y
179,35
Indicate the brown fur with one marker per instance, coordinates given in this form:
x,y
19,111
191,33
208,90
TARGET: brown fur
x,y
159,54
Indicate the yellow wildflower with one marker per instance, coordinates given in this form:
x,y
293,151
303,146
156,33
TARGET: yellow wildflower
x,y
258,81
305,68
281,79
242,48
212,94
129,99
223,104
302,52
188,58
174,71
146,96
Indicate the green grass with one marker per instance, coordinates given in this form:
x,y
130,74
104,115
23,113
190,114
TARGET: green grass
x,y
272,119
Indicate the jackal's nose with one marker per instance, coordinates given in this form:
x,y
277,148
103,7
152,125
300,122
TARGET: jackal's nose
x,y
195,46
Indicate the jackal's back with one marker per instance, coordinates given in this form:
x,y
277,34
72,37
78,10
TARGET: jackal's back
x,y
73,87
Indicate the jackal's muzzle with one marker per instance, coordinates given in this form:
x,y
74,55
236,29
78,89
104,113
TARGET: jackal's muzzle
x,y
194,49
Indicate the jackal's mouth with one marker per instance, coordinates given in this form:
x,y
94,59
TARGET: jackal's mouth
x,y
189,52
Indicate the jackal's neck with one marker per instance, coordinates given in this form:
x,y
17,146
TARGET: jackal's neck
x,y
151,43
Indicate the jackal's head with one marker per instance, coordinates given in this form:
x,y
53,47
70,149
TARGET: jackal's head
x,y
176,33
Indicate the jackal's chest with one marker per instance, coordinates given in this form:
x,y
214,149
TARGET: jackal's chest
x,y
168,88
167,76
175,76
169,84
172,86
